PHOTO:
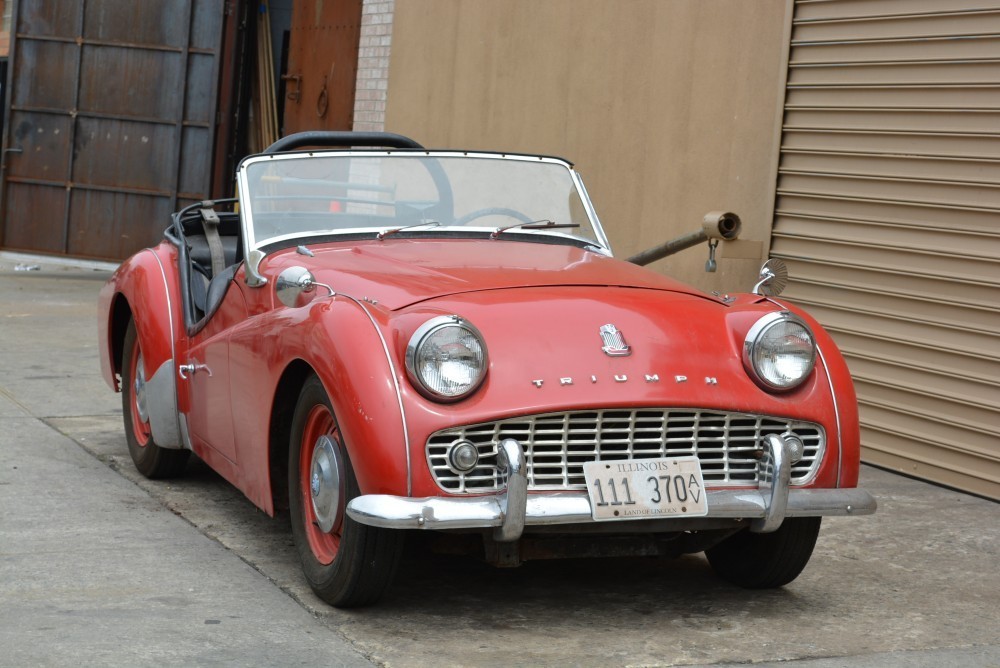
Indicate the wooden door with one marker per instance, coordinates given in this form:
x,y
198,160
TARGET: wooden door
x,y
322,65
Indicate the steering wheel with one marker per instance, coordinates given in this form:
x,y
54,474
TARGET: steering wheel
x,y
492,211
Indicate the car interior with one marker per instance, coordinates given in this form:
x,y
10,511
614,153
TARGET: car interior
x,y
209,253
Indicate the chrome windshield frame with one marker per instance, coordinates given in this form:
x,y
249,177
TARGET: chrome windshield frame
x,y
254,249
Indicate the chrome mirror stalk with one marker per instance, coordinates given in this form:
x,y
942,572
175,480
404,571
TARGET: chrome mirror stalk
x,y
293,283
772,279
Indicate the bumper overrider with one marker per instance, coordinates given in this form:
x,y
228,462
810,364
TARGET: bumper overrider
x,y
512,509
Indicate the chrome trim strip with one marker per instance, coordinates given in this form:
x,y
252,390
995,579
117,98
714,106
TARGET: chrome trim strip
x,y
836,414
592,213
833,395
170,435
170,305
405,153
554,508
395,384
246,215
254,278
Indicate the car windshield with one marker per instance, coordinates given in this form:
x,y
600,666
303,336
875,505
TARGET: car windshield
x,y
291,196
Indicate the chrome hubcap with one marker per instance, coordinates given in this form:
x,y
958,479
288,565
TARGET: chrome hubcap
x,y
326,484
140,389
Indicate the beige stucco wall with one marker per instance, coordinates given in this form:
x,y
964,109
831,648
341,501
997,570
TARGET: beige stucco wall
x,y
669,108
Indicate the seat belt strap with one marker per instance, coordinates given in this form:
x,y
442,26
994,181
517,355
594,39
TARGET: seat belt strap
x,y
210,223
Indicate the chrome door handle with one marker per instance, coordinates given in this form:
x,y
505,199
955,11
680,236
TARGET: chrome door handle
x,y
184,369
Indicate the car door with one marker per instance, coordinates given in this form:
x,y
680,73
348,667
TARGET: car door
x,y
206,373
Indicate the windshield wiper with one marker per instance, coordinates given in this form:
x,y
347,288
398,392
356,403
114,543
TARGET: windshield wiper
x,y
395,230
533,225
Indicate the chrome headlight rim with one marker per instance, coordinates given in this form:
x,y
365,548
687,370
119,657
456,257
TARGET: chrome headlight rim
x,y
755,335
421,335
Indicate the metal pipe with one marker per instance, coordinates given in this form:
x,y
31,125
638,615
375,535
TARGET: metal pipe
x,y
668,248
717,225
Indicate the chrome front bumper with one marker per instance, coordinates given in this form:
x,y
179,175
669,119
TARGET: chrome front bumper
x,y
512,509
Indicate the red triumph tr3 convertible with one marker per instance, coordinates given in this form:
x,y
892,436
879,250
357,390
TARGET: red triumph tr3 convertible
x,y
385,339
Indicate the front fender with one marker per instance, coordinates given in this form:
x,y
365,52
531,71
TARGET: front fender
x,y
842,394
341,340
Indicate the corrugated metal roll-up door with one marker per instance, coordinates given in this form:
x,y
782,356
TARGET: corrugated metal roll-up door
x,y
888,215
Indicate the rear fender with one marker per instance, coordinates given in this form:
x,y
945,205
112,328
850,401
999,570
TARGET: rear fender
x,y
144,290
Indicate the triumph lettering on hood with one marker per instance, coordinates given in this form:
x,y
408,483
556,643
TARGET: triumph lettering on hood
x,y
618,378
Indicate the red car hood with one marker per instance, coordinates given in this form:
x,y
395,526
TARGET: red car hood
x,y
399,273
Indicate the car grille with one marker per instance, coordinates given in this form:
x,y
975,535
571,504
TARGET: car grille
x,y
556,445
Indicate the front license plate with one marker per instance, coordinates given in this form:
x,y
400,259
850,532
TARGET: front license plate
x,y
646,488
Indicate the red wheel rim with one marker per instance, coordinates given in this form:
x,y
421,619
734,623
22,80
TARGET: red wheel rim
x,y
137,384
324,545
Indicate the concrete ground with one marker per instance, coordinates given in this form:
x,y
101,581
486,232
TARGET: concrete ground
x,y
99,566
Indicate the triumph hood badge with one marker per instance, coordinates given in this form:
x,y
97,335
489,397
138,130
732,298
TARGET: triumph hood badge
x,y
614,342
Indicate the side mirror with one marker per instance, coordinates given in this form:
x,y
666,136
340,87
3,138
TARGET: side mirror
x,y
772,279
295,286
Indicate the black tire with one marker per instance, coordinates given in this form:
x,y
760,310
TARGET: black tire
x,y
352,564
766,560
150,459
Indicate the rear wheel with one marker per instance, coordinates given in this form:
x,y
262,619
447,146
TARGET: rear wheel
x,y
766,560
150,459
346,563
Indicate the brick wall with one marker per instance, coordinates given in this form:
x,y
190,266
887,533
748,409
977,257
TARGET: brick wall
x,y
373,65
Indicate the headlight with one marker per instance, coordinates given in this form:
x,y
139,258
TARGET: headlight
x,y
446,358
779,351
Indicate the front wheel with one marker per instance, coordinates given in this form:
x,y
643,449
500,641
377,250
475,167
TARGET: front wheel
x,y
346,563
150,459
766,560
